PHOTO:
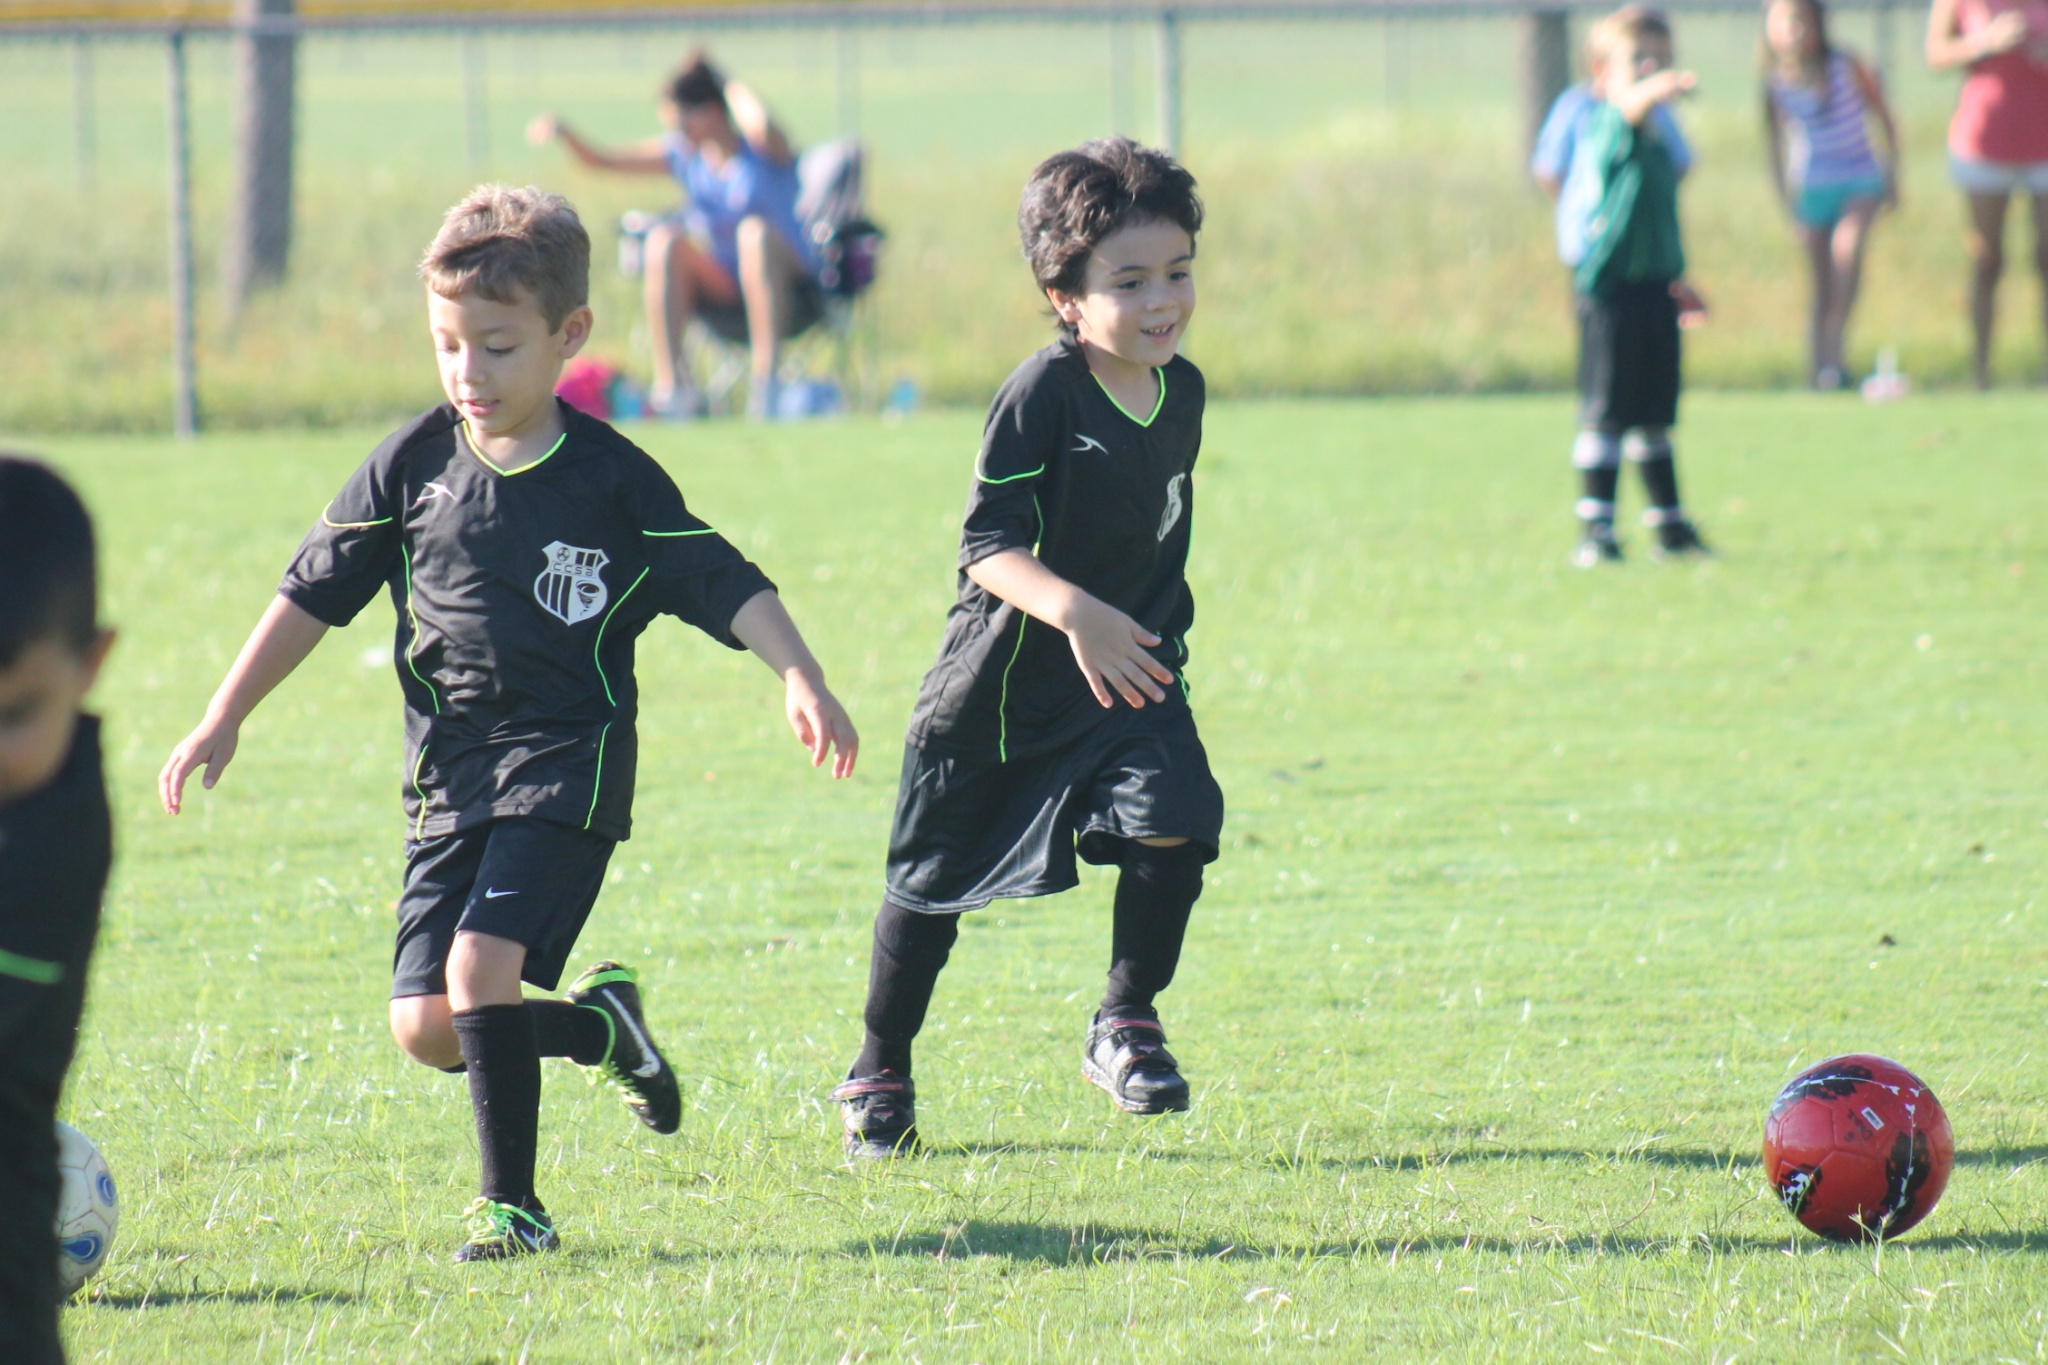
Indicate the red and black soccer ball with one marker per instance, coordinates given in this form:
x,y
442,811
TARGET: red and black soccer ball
x,y
1857,1148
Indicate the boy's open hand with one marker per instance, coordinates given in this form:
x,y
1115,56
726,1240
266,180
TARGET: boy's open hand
x,y
820,722
1692,308
212,746
1111,649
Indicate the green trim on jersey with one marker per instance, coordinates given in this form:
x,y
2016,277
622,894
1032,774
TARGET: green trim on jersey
x,y
1027,474
1003,701
30,968
484,460
664,535
419,823
597,657
1157,407
351,525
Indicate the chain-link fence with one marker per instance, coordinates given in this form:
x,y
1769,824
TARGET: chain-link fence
x,y
1372,227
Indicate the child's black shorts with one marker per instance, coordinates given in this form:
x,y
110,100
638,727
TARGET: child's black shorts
x,y
972,830
527,880
1629,358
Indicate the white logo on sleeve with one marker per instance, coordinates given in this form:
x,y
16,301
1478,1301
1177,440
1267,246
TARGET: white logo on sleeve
x,y
1174,506
1087,443
571,587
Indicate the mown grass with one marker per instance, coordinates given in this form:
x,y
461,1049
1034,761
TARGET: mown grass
x,y
1537,886
1371,227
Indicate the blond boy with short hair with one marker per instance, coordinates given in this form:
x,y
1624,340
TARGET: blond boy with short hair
x,y
524,546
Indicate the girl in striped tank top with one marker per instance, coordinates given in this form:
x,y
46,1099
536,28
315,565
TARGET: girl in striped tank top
x,y
1818,101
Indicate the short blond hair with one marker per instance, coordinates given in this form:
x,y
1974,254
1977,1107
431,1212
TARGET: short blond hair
x,y
500,240
1630,23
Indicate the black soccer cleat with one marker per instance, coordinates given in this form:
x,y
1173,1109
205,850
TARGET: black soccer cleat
x,y
880,1113
1678,538
632,1062
1597,546
498,1232
1128,1058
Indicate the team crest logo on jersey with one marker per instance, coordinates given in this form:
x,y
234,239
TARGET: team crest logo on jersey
x,y
571,587
1174,506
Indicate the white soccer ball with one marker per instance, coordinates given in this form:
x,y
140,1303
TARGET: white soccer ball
x,y
87,1209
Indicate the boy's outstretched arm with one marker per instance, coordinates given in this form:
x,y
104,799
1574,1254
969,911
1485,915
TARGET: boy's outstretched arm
x,y
820,722
1109,646
279,644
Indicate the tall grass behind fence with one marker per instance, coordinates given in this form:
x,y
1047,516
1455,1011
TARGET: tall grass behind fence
x,y
1371,226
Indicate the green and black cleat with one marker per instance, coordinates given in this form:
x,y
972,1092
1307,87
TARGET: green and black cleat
x,y
631,1062
1127,1057
880,1113
498,1232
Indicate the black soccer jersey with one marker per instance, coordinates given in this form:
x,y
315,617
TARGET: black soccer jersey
x,y
55,847
519,593
1104,498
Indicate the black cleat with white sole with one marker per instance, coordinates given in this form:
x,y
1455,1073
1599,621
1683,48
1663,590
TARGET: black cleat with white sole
x,y
632,1063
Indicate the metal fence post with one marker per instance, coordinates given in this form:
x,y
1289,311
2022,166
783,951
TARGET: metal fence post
x,y
83,131
476,102
1169,81
185,384
258,245
846,79
1119,76
1881,15
1546,66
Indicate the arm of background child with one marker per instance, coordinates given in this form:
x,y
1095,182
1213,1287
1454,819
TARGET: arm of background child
x,y
820,722
1109,646
646,157
279,644
1872,87
1774,143
1948,47
1636,101
750,116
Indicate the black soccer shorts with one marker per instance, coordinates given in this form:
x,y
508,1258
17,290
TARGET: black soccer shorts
x,y
1629,358
531,881
972,830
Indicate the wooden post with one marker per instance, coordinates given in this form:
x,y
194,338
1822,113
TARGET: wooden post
x,y
1169,82
259,237
184,387
1546,66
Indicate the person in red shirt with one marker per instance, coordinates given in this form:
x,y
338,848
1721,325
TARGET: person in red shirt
x,y
1998,139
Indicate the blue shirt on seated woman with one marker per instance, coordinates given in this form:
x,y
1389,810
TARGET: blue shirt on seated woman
x,y
736,254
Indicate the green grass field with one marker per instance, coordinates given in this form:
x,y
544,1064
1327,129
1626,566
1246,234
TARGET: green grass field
x,y
1371,226
1536,886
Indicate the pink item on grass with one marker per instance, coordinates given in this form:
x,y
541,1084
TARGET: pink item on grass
x,y
587,386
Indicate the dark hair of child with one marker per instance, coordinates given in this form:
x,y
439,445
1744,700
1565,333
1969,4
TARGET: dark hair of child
x,y
1813,70
697,84
46,561
1077,199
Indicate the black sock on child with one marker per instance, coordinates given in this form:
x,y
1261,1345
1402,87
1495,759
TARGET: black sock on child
x,y
503,1056
911,948
577,1032
1155,894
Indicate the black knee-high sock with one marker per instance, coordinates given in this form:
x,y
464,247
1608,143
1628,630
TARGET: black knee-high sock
x,y
577,1032
1597,488
503,1057
1154,896
910,949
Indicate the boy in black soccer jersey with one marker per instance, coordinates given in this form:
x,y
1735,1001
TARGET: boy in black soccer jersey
x,y
55,846
1054,720
525,546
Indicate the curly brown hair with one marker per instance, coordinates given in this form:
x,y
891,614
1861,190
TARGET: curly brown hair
x,y
1077,199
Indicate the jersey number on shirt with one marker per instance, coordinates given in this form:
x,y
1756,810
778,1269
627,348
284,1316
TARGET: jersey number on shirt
x,y
571,587
1171,516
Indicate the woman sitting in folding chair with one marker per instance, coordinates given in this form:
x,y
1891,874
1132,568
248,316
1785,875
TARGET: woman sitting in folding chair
x,y
735,255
